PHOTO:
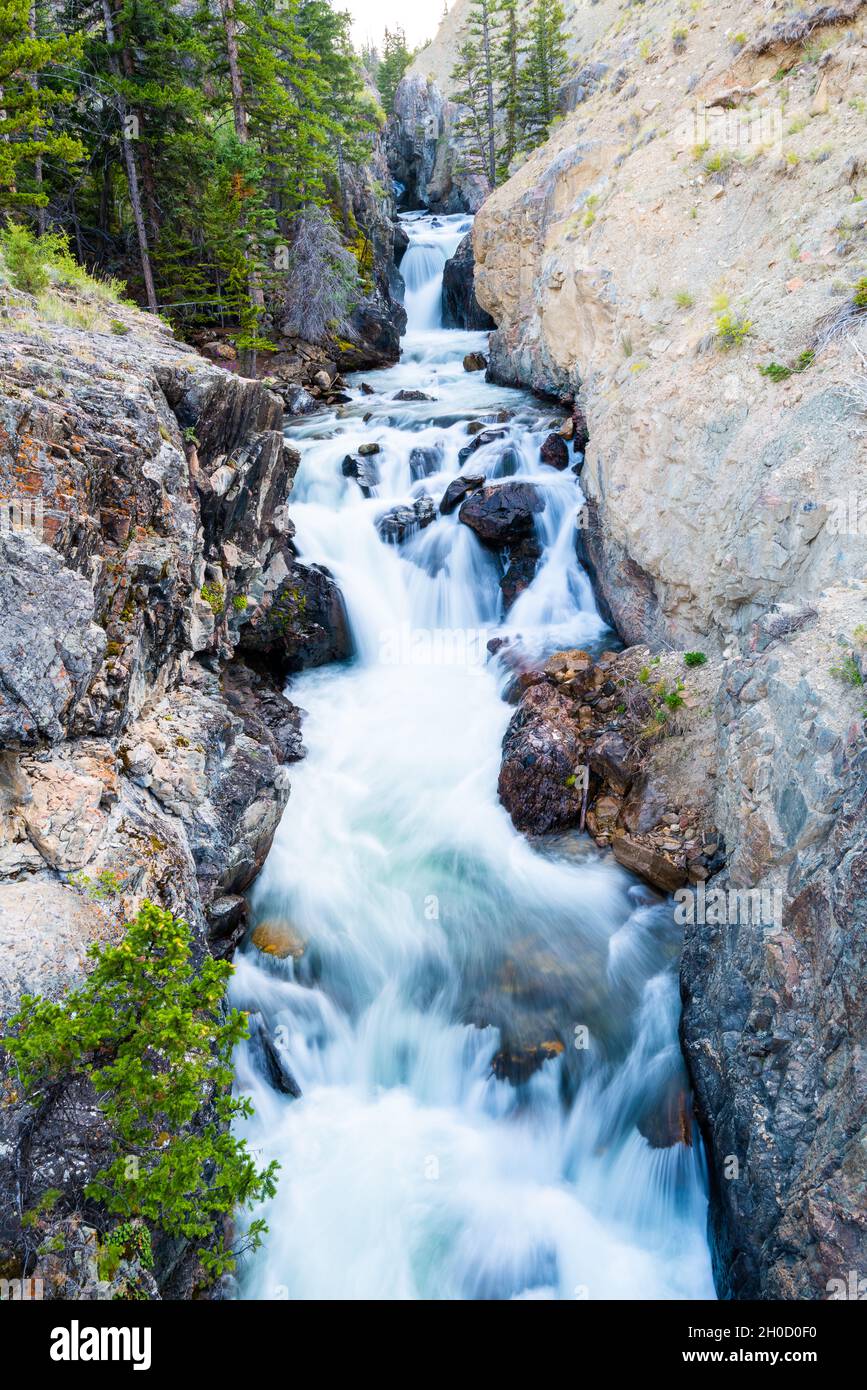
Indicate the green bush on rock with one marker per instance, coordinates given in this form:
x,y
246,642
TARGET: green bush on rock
x,y
149,1030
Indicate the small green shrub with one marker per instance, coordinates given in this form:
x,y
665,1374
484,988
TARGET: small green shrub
x,y
149,1030
107,884
848,671
694,658
777,371
683,299
860,296
731,331
718,162
26,259
215,597
239,603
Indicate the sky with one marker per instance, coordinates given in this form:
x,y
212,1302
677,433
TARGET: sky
x,y
418,18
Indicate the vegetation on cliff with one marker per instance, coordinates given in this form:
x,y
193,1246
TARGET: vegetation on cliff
x,y
180,147
508,74
148,1031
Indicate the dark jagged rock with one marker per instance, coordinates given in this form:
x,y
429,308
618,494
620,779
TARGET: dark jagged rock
x,y
266,714
303,624
411,396
401,242
554,452
480,439
461,309
541,750
363,471
523,559
268,1059
502,515
457,491
397,524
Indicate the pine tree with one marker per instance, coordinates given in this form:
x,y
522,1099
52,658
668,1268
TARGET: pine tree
x,y
28,110
396,58
507,71
544,71
475,80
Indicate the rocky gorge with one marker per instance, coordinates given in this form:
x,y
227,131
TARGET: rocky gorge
x,y
615,263
693,726
146,743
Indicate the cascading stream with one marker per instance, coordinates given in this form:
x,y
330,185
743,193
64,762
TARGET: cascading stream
x,y
484,1033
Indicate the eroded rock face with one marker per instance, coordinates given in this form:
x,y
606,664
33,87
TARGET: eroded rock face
x,y
716,513
774,1003
139,759
461,309
423,150
50,646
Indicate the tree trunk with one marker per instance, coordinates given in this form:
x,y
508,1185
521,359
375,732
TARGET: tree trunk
x,y
41,213
239,111
131,169
489,85
227,9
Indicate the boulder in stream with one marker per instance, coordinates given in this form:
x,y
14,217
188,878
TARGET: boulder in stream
x,y
554,452
456,492
399,523
502,515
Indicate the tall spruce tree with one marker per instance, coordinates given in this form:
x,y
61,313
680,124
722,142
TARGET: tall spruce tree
x,y
508,75
545,67
396,58
28,109
475,79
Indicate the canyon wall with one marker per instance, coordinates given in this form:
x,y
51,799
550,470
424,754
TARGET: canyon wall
x,y
144,542
685,258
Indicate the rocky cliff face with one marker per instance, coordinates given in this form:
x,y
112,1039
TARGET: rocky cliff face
x,y
143,530
424,152
697,218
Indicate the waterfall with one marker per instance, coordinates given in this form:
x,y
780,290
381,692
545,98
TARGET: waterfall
x,y
484,1033
432,242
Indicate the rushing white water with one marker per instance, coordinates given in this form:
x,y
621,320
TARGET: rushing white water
x,y
432,241
437,940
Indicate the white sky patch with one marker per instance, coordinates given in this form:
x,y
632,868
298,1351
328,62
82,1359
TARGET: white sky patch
x,y
370,18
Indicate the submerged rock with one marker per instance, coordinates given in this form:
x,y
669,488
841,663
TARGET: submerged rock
x,y
411,396
365,473
397,524
523,559
457,490
480,439
475,362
